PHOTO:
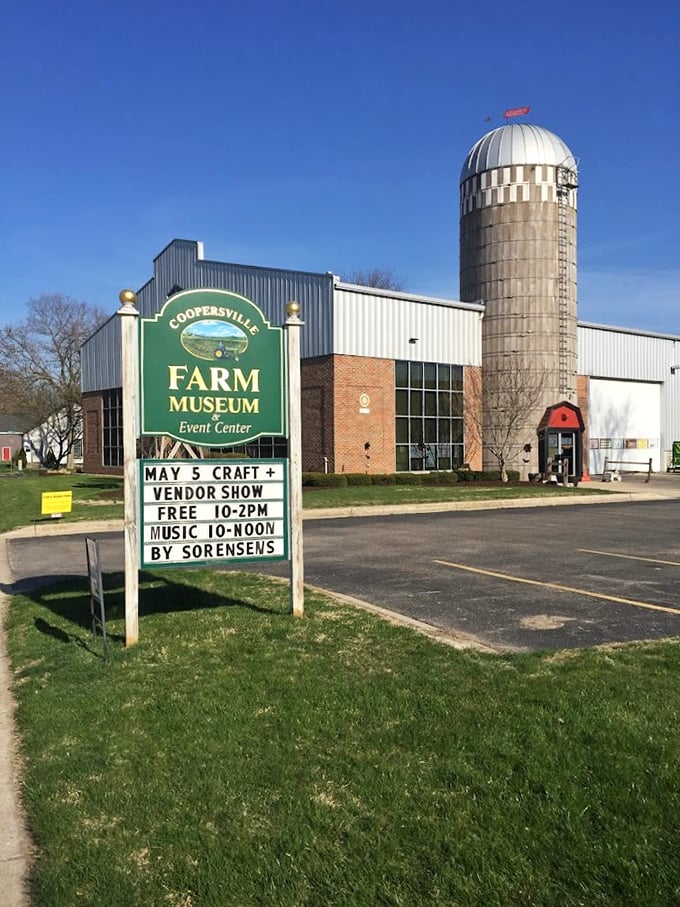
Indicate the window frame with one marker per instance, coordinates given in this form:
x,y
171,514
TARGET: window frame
x,y
428,404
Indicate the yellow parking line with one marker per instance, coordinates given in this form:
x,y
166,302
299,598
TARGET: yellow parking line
x,y
560,588
630,557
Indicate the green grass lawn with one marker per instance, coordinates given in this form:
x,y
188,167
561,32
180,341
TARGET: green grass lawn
x,y
366,495
94,497
238,756
100,497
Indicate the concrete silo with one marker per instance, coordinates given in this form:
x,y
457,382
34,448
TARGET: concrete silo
x,y
518,191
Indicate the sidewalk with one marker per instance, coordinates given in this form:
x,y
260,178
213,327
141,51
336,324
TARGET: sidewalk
x,y
16,849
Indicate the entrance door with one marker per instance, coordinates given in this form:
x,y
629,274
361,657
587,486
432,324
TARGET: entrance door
x,y
562,445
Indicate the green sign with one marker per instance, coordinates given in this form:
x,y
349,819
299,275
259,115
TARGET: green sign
x,y
211,370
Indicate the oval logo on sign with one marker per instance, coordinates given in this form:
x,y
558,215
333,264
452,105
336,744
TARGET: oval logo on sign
x,y
212,340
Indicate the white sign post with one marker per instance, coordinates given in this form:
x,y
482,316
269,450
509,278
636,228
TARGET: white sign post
x,y
293,325
206,511
130,344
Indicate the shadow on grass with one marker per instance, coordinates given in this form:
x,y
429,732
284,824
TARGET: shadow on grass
x,y
97,484
102,490
57,633
69,600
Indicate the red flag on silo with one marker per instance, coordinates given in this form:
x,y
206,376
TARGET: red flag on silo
x,y
516,112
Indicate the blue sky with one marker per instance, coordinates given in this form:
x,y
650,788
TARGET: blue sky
x,y
327,136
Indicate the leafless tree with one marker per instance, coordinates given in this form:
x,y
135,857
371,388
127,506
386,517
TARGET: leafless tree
x,y
379,278
502,409
40,365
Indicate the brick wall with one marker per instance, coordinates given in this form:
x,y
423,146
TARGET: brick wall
x,y
364,413
316,379
582,392
93,453
92,432
337,420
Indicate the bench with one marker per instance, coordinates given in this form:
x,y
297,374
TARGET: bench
x,y
612,469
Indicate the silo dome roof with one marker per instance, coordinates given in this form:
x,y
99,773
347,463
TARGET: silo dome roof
x,y
518,143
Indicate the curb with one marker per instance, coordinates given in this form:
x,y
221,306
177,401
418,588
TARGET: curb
x,y
615,497
38,530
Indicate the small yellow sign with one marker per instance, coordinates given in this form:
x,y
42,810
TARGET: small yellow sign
x,y
57,501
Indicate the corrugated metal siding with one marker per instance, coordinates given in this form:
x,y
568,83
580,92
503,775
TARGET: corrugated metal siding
x,y
100,358
180,265
611,353
381,325
670,415
271,290
632,356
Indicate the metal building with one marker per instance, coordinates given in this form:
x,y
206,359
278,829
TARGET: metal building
x,y
389,379
518,189
383,373
630,395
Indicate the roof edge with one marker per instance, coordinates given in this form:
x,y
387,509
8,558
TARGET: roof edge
x,y
623,330
408,297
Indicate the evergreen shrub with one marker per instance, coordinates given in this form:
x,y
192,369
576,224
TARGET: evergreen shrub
x,y
19,457
408,478
447,478
324,480
384,479
358,478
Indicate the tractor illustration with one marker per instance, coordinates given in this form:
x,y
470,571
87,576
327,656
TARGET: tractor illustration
x,y
221,352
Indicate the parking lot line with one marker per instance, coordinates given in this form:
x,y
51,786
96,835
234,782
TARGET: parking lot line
x,y
630,557
560,588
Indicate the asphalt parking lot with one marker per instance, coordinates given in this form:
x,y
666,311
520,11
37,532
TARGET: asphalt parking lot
x,y
523,579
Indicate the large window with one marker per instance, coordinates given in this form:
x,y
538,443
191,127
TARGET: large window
x,y
429,413
268,447
264,448
113,427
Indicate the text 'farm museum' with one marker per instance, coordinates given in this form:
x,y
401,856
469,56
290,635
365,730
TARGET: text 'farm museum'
x,y
396,382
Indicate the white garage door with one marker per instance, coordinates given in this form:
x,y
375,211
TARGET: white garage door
x,y
624,423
